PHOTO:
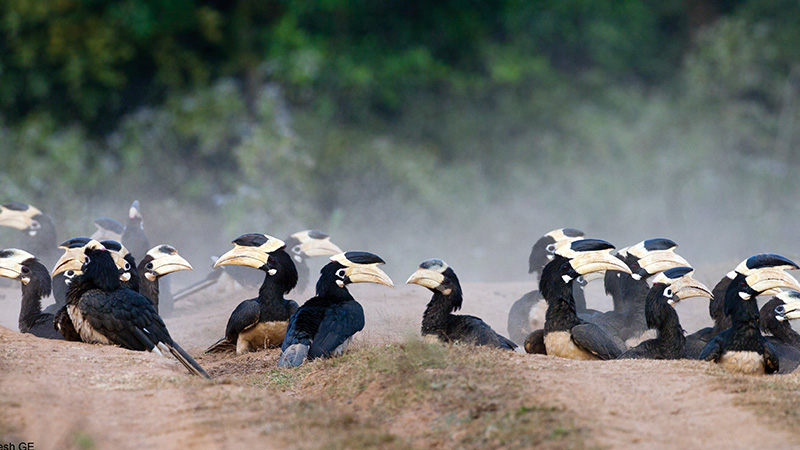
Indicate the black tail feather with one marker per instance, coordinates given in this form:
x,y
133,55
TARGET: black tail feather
x,y
187,361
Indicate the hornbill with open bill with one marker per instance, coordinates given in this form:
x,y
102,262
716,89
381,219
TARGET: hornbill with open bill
x,y
438,319
742,347
324,326
260,322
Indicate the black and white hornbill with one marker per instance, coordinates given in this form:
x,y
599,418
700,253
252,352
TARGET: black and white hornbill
x,y
104,312
742,347
67,266
774,317
301,246
527,313
22,266
157,262
324,326
565,334
133,236
628,291
260,322
39,231
669,287
438,319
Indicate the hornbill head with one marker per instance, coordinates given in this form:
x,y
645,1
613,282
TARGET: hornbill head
x,y
71,261
357,267
787,305
544,249
578,258
99,266
437,276
676,284
310,243
123,259
23,217
653,256
161,260
107,229
758,274
262,252
135,214
22,266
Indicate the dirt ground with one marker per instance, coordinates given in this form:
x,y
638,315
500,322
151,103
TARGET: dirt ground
x,y
73,395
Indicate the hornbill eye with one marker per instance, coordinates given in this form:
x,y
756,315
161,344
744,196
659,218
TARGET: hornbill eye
x,y
635,267
148,266
668,292
551,248
127,266
340,273
743,284
69,274
25,270
296,249
780,309
565,267
35,225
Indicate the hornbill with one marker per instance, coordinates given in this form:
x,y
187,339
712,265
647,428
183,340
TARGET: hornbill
x,y
24,267
157,262
260,322
104,312
669,287
742,347
107,229
324,326
527,313
39,230
775,316
438,319
65,269
629,291
133,236
301,246
565,334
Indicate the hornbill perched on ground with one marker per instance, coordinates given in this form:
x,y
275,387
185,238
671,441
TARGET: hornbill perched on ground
x,y
104,312
24,267
669,287
565,334
260,322
527,313
775,316
157,262
301,246
629,291
742,347
324,326
438,319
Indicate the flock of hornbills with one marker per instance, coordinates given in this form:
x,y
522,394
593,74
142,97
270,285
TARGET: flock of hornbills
x,y
103,296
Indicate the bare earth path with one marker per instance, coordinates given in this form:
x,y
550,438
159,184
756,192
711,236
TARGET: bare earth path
x,y
72,395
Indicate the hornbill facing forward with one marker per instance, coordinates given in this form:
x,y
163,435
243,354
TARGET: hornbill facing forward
x,y
775,316
527,313
438,319
104,312
742,347
260,322
565,334
669,287
324,326
24,267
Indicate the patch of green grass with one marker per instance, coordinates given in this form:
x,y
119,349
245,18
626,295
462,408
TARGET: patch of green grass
x,y
83,440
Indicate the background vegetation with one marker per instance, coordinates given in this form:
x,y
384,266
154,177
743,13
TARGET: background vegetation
x,y
457,128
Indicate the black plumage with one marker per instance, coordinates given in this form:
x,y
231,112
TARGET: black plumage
x,y
527,313
35,279
668,288
742,347
565,334
324,326
104,312
260,322
778,331
438,319
65,269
